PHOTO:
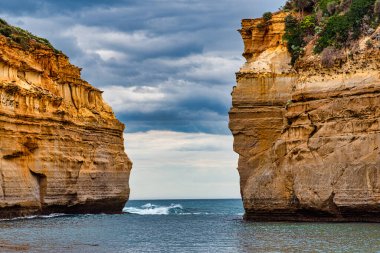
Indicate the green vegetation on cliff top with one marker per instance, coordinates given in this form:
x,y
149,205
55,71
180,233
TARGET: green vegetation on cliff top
x,y
328,23
21,36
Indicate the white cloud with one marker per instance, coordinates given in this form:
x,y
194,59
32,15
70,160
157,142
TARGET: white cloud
x,y
107,55
206,66
182,165
136,98
91,39
165,96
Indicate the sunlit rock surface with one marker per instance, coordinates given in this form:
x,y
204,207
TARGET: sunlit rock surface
x,y
61,145
308,137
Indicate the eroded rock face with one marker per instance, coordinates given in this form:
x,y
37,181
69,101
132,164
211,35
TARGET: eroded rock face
x,y
61,146
307,137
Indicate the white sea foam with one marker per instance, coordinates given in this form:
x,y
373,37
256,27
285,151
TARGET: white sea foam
x,y
151,209
52,215
47,216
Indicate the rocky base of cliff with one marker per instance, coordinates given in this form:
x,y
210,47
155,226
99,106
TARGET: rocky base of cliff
x,y
104,206
363,214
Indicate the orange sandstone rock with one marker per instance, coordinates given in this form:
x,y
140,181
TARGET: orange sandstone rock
x,y
61,146
308,137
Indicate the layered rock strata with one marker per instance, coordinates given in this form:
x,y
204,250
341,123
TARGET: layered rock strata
x,y
308,137
61,146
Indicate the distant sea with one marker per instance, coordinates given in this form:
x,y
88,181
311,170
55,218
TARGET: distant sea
x,y
181,226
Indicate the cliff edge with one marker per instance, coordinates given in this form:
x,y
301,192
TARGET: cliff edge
x,y
61,147
307,134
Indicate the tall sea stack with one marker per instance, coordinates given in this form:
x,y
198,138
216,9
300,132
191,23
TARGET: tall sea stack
x,y
61,146
307,134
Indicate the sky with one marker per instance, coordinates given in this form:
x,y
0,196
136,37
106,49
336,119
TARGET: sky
x,y
167,68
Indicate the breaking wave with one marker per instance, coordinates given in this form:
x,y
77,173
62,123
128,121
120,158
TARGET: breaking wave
x,y
151,209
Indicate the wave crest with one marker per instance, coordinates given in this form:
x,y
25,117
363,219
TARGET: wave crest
x,y
151,209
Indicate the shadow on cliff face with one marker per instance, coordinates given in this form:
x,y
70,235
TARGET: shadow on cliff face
x,y
41,180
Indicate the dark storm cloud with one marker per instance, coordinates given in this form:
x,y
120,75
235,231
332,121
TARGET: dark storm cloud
x,y
192,114
164,64
52,7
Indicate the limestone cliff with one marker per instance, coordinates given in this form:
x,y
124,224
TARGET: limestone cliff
x,y
61,146
308,137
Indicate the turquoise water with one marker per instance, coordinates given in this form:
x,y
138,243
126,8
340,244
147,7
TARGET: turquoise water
x,y
182,226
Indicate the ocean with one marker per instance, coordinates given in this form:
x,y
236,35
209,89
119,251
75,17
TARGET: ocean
x,y
181,226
